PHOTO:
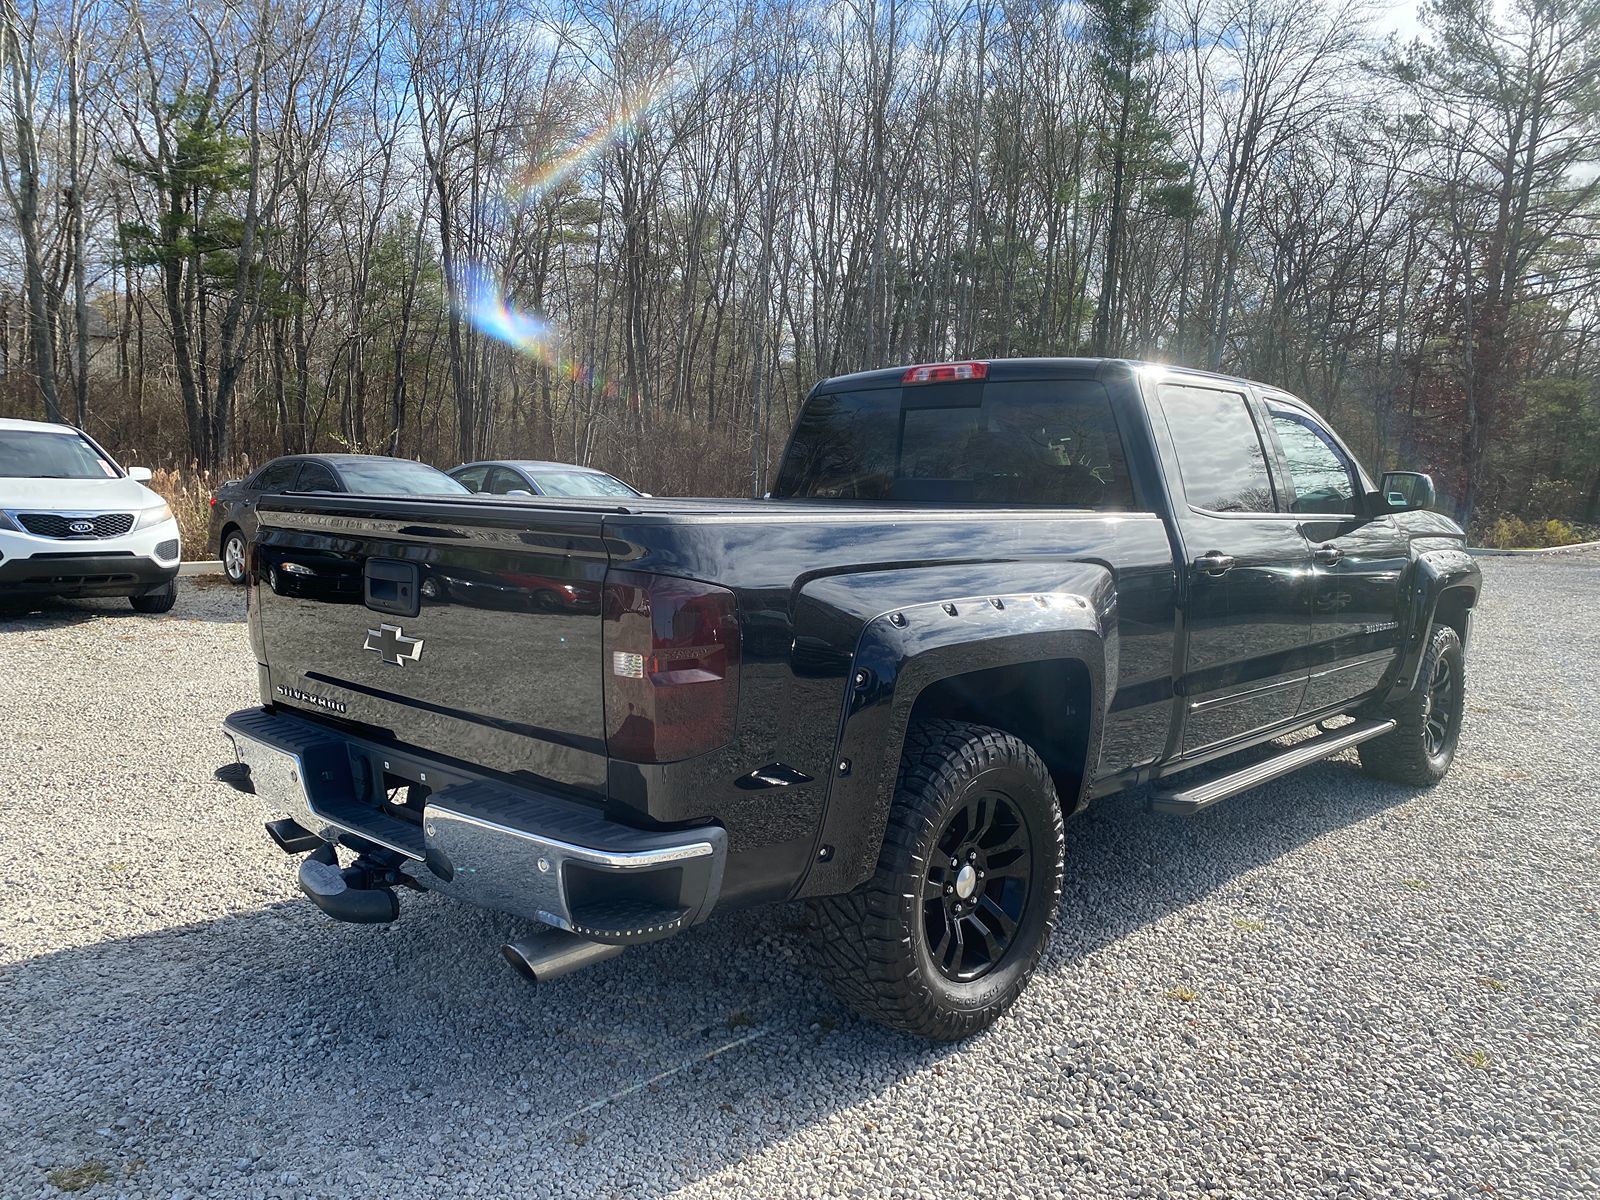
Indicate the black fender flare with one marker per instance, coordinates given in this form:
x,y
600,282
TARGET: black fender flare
x,y
900,654
1438,576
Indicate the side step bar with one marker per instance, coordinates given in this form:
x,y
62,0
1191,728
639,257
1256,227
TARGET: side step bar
x,y
1192,799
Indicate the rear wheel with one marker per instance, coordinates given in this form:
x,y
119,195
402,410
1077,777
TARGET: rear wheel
x,y
233,555
159,601
946,934
1422,745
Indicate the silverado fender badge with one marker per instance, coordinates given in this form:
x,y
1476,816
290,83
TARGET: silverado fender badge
x,y
395,647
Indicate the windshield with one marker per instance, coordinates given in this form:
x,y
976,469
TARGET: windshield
x,y
40,454
581,483
393,477
1027,442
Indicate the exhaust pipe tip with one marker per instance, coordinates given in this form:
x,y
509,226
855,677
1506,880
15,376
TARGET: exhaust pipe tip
x,y
552,953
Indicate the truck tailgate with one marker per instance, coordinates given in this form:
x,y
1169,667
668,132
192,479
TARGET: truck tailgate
x,y
464,628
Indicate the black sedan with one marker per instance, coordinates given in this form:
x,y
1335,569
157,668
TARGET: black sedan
x,y
233,507
531,477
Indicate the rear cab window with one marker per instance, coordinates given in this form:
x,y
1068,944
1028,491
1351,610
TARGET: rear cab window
x,y
1048,443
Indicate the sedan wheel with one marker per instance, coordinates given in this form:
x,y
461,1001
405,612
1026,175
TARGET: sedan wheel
x,y
233,556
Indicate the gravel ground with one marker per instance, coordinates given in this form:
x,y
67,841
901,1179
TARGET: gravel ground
x,y
1329,987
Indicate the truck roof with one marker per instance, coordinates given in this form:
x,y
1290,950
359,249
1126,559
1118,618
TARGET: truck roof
x,y
1027,368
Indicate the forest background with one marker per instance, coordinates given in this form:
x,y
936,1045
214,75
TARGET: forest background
x,y
633,233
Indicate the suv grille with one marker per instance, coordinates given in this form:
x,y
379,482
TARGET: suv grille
x,y
59,525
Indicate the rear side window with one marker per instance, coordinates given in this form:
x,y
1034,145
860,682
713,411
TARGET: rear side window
x,y
1051,443
1220,456
277,476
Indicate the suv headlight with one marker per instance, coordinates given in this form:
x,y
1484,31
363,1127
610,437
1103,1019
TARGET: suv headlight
x,y
153,516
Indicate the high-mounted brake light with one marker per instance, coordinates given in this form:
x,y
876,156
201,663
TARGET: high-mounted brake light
x,y
671,650
946,372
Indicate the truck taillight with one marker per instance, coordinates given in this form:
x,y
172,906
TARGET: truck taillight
x,y
950,372
671,655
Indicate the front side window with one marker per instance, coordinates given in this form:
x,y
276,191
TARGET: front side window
x,y
314,477
1321,475
472,478
503,482
1047,443
44,454
1220,456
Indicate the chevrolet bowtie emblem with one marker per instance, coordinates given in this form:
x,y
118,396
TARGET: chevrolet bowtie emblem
x,y
394,645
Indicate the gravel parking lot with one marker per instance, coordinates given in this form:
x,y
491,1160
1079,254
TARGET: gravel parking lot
x,y
1328,987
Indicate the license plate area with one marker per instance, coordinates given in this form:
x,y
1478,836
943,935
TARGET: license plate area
x,y
391,587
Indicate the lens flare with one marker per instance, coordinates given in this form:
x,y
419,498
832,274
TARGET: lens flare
x,y
543,177
495,315
482,297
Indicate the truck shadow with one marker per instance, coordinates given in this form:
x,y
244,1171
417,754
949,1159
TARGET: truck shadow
x,y
210,601
275,1049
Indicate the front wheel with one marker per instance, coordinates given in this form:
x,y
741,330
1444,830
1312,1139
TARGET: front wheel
x,y
233,556
159,601
1422,745
946,934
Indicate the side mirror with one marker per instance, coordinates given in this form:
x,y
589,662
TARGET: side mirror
x,y
520,492
139,474
1404,491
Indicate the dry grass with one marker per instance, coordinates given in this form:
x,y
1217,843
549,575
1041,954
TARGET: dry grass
x,y
189,494
78,1178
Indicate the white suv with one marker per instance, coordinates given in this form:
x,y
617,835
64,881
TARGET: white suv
x,y
74,523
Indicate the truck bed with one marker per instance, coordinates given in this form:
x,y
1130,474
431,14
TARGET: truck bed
x,y
510,671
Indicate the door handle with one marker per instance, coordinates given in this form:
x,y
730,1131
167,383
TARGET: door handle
x,y
1327,554
1214,563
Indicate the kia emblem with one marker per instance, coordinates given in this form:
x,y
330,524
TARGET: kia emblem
x,y
82,527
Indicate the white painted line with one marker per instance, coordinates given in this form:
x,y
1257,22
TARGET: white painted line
x,y
623,1093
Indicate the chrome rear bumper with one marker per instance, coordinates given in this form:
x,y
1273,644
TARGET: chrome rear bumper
x,y
539,856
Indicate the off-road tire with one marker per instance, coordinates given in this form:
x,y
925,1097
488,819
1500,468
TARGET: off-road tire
x,y
159,601
872,944
1403,755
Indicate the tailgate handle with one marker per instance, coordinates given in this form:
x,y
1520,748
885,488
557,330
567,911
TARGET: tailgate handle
x,y
391,587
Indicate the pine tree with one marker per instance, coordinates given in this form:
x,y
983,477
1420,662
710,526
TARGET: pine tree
x,y
1135,145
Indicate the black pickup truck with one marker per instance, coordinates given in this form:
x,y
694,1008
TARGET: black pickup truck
x,y
981,595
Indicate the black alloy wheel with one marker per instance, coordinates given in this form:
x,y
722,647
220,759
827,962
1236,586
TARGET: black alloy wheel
x,y
1427,717
977,886
1438,707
